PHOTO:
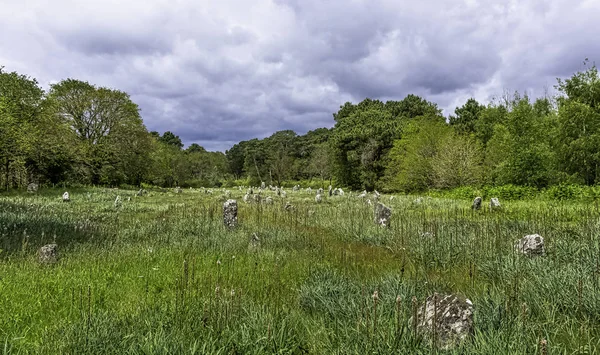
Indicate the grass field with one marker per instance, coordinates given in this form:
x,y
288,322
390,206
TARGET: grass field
x,y
161,274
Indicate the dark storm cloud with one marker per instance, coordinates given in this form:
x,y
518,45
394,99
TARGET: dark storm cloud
x,y
226,71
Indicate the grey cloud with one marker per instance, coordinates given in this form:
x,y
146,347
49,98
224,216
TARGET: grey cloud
x,y
228,71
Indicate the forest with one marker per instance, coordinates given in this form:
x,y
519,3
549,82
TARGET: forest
x,y
79,134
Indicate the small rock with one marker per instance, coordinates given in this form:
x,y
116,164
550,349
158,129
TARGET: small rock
x,y
383,214
230,210
254,242
118,202
246,198
66,197
288,206
447,318
531,245
178,190
48,254
318,198
477,203
33,187
269,200
494,203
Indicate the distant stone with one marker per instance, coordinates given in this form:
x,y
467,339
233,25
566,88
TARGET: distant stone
x,y
288,206
283,193
48,254
33,187
494,203
320,191
531,245
269,200
477,203
363,195
230,210
427,235
66,197
254,242
340,192
257,198
250,191
278,191
262,185
318,198
383,214
178,190
246,198
295,188
445,320
418,201
140,192
118,202
330,191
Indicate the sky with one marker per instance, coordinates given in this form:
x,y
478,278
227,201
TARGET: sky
x,y
216,72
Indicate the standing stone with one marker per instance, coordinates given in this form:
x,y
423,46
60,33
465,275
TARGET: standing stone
x,y
363,195
530,245
318,198
278,191
269,200
250,191
230,210
140,192
494,203
178,190
118,202
254,242
320,191
283,193
66,197
477,203
330,191
383,214
262,185
445,320
48,254
341,192
246,198
33,187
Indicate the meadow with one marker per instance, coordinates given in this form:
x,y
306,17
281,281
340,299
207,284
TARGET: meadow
x,y
162,274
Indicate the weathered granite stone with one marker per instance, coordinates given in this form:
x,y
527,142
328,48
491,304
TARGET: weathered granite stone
x,y
230,210
477,203
383,214
531,245
48,254
445,320
495,203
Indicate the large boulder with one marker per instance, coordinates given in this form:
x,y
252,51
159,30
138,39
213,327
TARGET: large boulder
x,y
230,210
477,203
531,245
445,320
383,214
48,254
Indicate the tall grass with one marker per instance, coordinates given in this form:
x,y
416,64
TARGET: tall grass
x,y
162,274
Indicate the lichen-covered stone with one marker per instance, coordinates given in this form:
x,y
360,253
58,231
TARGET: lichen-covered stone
x,y
48,254
531,245
33,187
445,320
477,203
495,203
383,214
230,210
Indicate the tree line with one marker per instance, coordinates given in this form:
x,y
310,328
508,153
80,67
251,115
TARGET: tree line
x,y
78,133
